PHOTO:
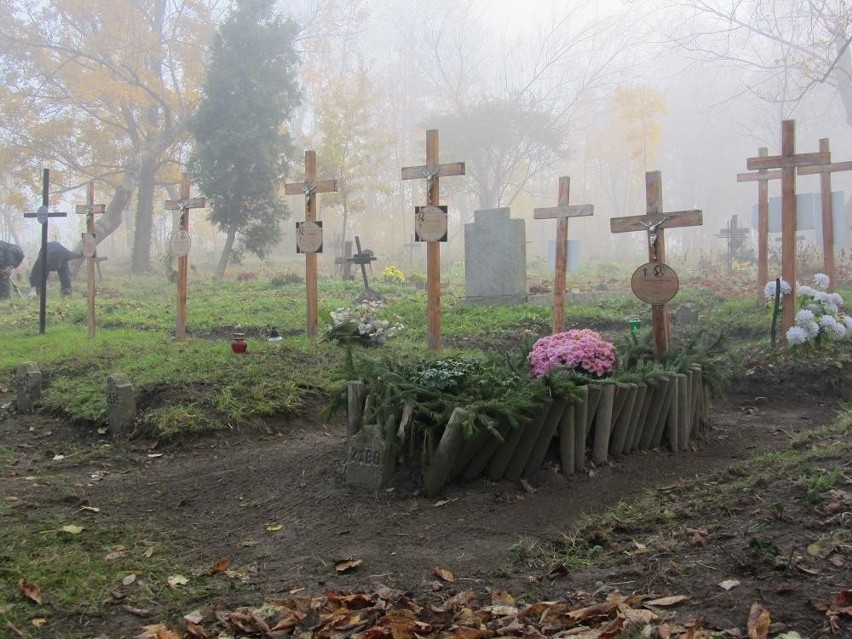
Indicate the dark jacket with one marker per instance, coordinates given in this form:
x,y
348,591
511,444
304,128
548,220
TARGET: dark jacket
x,y
11,255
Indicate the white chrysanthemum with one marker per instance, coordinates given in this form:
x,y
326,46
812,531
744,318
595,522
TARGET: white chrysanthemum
x,y
831,308
804,316
804,289
835,298
796,335
814,308
828,322
769,289
821,280
839,331
847,322
812,329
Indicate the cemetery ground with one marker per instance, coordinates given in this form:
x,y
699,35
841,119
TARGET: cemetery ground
x,y
225,502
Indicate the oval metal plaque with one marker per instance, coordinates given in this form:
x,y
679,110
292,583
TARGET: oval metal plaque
x,y
430,224
654,283
181,243
309,237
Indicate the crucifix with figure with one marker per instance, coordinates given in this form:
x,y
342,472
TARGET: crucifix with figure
x,y
43,215
562,211
90,209
180,245
762,177
788,162
824,171
655,282
432,172
309,232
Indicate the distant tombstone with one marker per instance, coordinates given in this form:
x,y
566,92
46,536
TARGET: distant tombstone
x,y
495,258
121,403
685,315
573,255
29,386
370,460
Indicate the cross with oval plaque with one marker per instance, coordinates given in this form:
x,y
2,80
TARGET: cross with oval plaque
x,y
654,283
430,223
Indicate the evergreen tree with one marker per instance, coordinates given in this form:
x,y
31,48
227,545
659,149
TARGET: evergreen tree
x,y
242,147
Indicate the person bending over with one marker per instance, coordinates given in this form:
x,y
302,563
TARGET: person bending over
x,y
57,260
11,257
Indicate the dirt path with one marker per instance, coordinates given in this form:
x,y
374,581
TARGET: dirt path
x,y
277,507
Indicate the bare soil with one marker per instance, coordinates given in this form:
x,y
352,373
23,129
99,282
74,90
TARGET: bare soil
x,y
226,496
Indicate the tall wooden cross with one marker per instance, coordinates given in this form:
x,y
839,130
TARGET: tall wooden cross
x,y
825,171
788,162
654,222
562,211
90,209
43,215
432,172
762,177
309,188
181,243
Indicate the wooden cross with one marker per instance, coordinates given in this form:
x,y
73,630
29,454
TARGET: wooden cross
x,y
309,187
788,162
184,204
362,258
562,211
43,215
432,171
734,234
762,177
825,171
345,261
654,222
90,209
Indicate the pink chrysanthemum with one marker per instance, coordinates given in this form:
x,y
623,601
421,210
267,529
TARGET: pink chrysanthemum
x,y
581,349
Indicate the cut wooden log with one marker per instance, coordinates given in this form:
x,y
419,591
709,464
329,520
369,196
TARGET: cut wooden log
x,y
470,449
665,407
581,409
643,401
503,455
444,459
603,425
567,439
621,424
685,403
521,454
355,396
673,420
655,406
546,435
476,466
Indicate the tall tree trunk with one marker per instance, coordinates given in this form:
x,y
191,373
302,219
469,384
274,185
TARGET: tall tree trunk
x,y
144,226
225,258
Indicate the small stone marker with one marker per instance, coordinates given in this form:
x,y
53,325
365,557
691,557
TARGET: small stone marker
x,y
29,386
121,403
495,265
685,315
370,460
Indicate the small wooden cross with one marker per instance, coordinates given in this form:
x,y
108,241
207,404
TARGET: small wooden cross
x,y
762,177
310,187
825,171
43,215
432,171
654,222
362,258
184,204
788,162
562,211
734,235
90,209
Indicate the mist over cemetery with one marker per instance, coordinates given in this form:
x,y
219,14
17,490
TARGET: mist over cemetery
x,y
457,319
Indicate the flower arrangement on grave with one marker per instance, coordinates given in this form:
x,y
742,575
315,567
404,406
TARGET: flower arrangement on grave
x,y
362,324
819,317
581,350
393,275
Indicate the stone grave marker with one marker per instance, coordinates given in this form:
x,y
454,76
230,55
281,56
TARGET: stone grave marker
x,y
121,403
28,386
685,315
495,265
370,460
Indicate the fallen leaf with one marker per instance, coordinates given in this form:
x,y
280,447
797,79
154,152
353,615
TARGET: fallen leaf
x,y
348,564
758,622
72,529
667,601
822,548
444,574
837,560
274,527
154,455
129,579
728,584
91,509
220,566
29,590
38,622
175,581
527,486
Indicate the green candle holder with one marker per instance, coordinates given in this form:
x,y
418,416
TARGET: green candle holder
x,y
634,326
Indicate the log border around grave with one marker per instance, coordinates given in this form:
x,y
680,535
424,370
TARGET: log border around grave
x,y
605,421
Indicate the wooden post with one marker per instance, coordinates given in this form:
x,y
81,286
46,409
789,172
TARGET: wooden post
x,y
90,209
825,171
788,161
562,211
43,215
654,222
762,178
309,187
182,245
432,171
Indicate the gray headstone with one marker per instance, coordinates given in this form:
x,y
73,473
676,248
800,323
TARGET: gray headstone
x,y
29,386
495,258
685,315
370,460
121,403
